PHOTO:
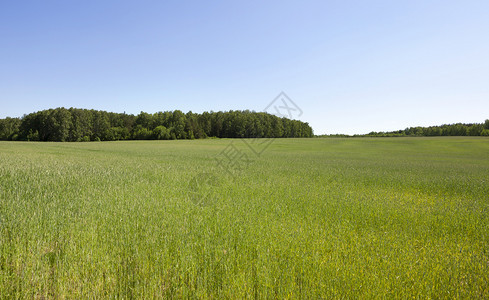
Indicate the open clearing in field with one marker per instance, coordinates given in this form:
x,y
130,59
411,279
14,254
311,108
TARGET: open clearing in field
x,y
310,218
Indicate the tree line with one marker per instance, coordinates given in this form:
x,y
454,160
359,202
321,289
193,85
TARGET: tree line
x,y
77,125
458,129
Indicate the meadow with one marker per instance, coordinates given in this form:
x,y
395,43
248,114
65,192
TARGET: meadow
x,y
307,218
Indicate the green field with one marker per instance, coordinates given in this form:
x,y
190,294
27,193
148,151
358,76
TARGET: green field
x,y
308,218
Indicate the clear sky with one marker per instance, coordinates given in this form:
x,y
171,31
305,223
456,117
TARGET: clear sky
x,y
351,66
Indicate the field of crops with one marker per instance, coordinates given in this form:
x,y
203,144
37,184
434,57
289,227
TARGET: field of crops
x,y
292,218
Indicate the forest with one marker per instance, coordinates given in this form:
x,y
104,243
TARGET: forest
x,y
76,125
458,129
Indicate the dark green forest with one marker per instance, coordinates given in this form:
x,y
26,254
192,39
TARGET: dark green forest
x,y
458,129
77,125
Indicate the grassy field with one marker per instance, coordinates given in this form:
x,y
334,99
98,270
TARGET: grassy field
x,y
308,218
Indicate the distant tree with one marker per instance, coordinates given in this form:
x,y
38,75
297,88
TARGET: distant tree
x,y
192,126
9,127
161,133
145,120
101,125
61,124
33,136
82,124
217,120
205,123
277,127
177,122
142,133
459,130
475,130
74,124
116,134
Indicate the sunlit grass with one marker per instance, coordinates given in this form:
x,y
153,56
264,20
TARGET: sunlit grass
x,y
311,218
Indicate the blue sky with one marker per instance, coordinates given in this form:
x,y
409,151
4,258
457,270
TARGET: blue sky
x,y
351,66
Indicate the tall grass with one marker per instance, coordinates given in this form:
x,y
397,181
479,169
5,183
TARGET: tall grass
x,y
309,218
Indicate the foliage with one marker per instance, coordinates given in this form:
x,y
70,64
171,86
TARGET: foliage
x,y
75,125
9,128
458,129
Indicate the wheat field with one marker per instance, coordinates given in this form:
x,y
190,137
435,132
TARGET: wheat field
x,y
206,219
